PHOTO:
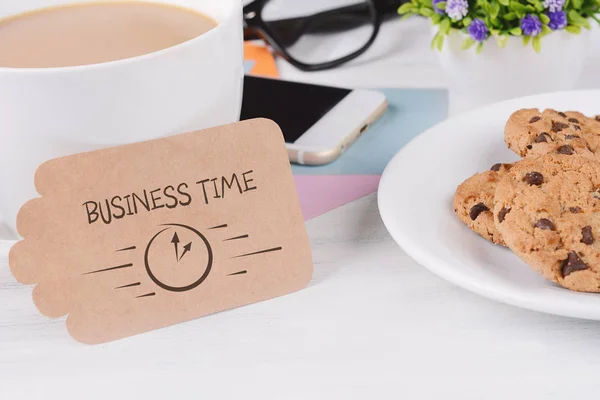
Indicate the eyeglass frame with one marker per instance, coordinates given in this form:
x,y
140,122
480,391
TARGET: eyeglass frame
x,y
253,20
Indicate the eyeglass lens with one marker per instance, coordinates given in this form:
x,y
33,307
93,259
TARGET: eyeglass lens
x,y
314,33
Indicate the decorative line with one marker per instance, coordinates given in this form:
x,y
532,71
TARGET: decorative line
x,y
146,295
130,285
238,273
109,269
259,252
236,238
127,248
219,226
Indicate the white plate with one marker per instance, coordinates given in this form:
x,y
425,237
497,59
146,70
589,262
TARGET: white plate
x,y
415,201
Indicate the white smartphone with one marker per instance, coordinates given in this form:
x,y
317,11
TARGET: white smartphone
x,y
319,123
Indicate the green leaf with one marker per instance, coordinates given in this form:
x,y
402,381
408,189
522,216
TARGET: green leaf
x,y
514,6
544,18
406,8
466,21
445,26
483,9
537,4
494,10
526,40
545,30
501,41
467,44
577,4
537,44
434,41
437,42
575,18
441,5
426,12
479,47
586,24
496,23
516,31
440,43
510,16
573,29
505,2
436,18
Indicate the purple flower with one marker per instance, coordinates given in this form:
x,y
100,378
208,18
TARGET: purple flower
x,y
531,25
553,5
437,10
558,20
478,31
457,9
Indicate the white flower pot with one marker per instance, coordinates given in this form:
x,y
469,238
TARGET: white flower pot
x,y
515,70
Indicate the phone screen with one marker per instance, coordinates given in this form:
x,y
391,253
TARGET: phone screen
x,y
294,106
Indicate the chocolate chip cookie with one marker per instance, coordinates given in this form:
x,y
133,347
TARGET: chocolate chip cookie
x,y
531,133
474,202
548,212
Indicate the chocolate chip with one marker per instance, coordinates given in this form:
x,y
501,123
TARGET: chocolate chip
x,y
543,137
565,149
562,114
597,117
476,210
575,210
502,213
587,237
572,137
534,178
534,119
572,264
596,194
529,147
574,120
558,126
496,167
545,224
577,127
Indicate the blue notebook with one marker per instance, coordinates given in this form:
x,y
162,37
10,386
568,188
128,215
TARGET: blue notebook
x,y
411,111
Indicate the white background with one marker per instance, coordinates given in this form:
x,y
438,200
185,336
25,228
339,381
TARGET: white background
x,y
372,324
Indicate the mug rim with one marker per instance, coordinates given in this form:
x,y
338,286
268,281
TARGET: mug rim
x,y
129,60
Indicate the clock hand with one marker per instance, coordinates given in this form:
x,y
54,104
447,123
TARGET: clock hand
x,y
186,248
175,241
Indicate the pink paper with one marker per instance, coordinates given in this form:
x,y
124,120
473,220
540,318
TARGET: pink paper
x,y
322,193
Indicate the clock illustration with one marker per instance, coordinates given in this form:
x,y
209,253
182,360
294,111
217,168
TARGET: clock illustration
x,y
178,258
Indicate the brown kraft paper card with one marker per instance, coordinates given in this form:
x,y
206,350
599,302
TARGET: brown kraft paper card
x,y
138,237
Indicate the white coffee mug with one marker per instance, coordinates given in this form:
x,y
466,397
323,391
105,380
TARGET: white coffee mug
x,y
53,112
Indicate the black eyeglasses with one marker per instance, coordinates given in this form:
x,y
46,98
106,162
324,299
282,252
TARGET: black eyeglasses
x,y
311,35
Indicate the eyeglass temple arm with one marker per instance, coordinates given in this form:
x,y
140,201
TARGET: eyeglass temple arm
x,y
386,9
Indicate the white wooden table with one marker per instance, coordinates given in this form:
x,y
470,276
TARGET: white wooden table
x,y
372,324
